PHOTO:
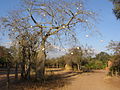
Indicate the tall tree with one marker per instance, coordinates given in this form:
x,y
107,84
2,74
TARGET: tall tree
x,y
103,56
114,46
48,19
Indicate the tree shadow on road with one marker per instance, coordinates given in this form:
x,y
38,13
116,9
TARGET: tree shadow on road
x,y
51,82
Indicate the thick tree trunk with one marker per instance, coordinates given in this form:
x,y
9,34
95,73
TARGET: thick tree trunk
x,y
78,65
40,63
28,69
28,72
23,64
23,70
16,71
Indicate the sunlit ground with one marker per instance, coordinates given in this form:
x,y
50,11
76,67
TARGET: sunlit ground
x,y
60,79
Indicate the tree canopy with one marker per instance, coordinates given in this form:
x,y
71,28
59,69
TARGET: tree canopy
x,y
116,8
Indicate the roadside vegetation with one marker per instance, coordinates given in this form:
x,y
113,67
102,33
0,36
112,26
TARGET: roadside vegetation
x,y
115,58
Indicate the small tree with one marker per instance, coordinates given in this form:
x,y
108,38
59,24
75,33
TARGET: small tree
x,y
76,56
103,56
115,47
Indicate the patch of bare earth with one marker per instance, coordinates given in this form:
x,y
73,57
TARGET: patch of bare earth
x,y
96,80
55,78
59,79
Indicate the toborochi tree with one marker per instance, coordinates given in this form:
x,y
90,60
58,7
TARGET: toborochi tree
x,y
47,20
24,51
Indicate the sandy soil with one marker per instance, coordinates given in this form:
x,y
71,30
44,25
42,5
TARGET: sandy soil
x,y
97,80
94,81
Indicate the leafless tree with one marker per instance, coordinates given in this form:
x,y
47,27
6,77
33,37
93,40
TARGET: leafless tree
x,y
114,46
47,20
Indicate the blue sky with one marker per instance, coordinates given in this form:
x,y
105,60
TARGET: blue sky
x,y
108,26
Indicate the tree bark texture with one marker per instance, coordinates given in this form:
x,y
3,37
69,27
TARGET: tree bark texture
x,y
23,64
78,65
23,70
16,71
40,62
27,75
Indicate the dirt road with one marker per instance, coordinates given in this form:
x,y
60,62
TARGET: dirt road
x,y
93,81
96,80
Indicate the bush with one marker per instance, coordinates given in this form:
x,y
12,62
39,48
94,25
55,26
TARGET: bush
x,y
115,68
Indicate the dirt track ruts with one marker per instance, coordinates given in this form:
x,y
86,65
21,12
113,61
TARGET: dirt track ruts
x,y
93,81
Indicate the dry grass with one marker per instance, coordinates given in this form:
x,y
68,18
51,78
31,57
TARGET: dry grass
x,y
50,83
54,79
